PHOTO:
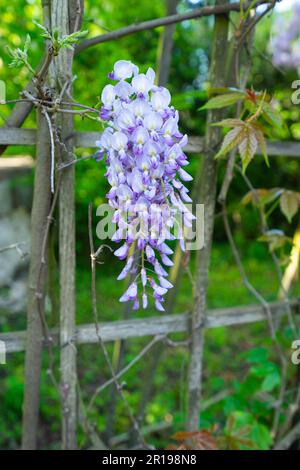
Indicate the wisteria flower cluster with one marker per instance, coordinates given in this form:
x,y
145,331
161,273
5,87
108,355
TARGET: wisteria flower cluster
x,y
285,45
145,163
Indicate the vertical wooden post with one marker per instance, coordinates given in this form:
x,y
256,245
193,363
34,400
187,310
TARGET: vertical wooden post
x,y
60,19
167,45
207,183
34,338
36,300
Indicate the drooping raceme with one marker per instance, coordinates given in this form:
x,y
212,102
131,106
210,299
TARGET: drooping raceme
x,y
145,160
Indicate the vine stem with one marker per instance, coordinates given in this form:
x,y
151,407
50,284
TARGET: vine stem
x,y
52,150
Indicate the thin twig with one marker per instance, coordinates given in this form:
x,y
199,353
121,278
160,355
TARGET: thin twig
x,y
256,20
286,442
52,149
62,166
15,246
125,369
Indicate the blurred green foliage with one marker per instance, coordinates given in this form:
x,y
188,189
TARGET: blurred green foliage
x,y
239,360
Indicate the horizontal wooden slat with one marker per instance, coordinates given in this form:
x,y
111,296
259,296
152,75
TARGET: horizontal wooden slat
x,y
88,139
152,326
196,145
284,148
16,136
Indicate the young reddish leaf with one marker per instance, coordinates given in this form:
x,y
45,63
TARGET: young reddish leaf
x,y
181,436
289,204
248,146
222,101
204,441
231,140
195,440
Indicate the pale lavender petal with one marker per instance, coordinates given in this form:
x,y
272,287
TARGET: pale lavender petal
x,y
144,277
123,69
122,252
184,175
132,291
150,253
123,90
159,306
141,84
159,269
108,96
165,283
145,300
126,269
166,260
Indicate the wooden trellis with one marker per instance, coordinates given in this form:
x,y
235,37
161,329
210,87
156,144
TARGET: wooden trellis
x,y
148,326
156,326
23,137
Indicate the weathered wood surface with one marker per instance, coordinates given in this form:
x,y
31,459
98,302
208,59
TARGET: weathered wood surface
x,y
152,326
15,136
88,139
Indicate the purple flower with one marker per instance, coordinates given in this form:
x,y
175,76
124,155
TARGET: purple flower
x,y
130,293
126,269
143,146
122,252
108,96
123,69
286,40
142,84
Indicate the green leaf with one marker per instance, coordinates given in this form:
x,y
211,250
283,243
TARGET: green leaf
x,y
222,101
229,123
261,436
271,195
2,91
275,238
271,115
254,196
261,196
27,43
264,369
289,204
45,33
270,382
256,355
